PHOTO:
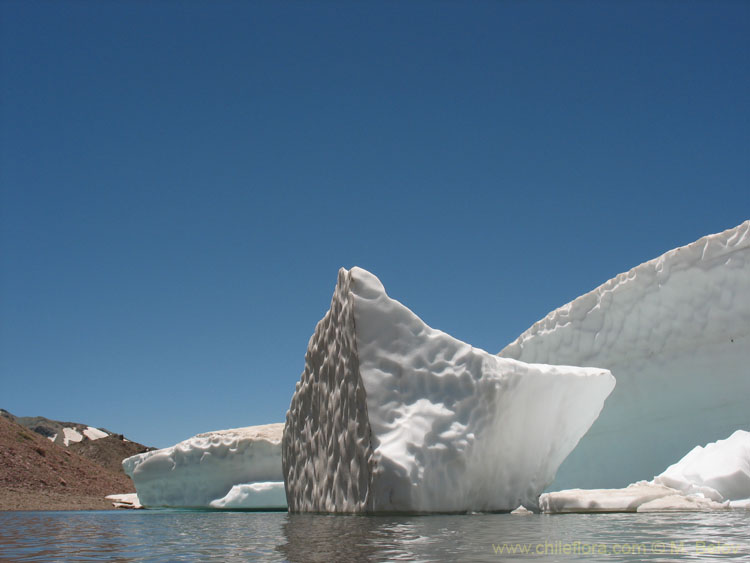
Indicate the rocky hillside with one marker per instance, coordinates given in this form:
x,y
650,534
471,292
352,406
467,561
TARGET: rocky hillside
x,y
37,474
97,444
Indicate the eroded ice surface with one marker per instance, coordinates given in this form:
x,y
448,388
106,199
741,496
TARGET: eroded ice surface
x,y
719,471
204,468
675,332
256,496
392,415
713,477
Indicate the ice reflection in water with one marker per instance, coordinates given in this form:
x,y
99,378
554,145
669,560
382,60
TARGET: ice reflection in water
x,y
227,536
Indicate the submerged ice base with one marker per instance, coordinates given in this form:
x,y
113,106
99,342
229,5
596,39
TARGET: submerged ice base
x,y
203,471
391,415
675,332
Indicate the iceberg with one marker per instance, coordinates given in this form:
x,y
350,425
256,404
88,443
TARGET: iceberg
x,y
391,415
675,332
205,470
713,477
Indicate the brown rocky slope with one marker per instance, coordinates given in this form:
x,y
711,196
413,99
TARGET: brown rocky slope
x,y
36,474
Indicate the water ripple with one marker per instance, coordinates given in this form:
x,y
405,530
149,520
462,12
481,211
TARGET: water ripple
x,y
241,536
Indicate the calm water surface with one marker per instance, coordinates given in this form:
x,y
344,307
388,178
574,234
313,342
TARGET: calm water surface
x,y
245,536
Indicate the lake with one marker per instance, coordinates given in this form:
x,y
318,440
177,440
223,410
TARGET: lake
x,y
169,535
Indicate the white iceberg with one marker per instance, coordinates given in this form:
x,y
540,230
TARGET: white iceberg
x,y
392,415
675,332
713,477
205,468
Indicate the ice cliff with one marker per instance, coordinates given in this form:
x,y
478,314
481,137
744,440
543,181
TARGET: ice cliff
x,y
238,468
392,415
675,332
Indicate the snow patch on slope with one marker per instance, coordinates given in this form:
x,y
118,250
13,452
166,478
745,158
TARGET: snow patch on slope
x,y
94,433
71,435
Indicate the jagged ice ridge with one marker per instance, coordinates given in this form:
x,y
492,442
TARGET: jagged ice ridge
x,y
392,415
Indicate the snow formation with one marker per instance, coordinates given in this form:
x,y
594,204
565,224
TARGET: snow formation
x,y
269,495
94,433
604,500
71,435
392,415
206,467
720,471
707,478
675,332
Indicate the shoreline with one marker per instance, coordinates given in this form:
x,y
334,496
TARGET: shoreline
x,y
20,500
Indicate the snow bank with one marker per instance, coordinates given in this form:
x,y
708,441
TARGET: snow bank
x,y
675,332
204,468
713,477
94,433
255,496
71,435
392,415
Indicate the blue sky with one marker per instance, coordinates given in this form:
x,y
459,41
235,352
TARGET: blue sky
x,y
180,181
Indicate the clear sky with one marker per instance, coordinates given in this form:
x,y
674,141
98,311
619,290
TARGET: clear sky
x,y
182,180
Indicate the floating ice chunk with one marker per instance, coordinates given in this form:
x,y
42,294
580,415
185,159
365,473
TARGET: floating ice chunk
x,y
675,332
71,435
254,496
521,511
713,477
603,500
127,500
719,471
204,468
94,433
392,415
